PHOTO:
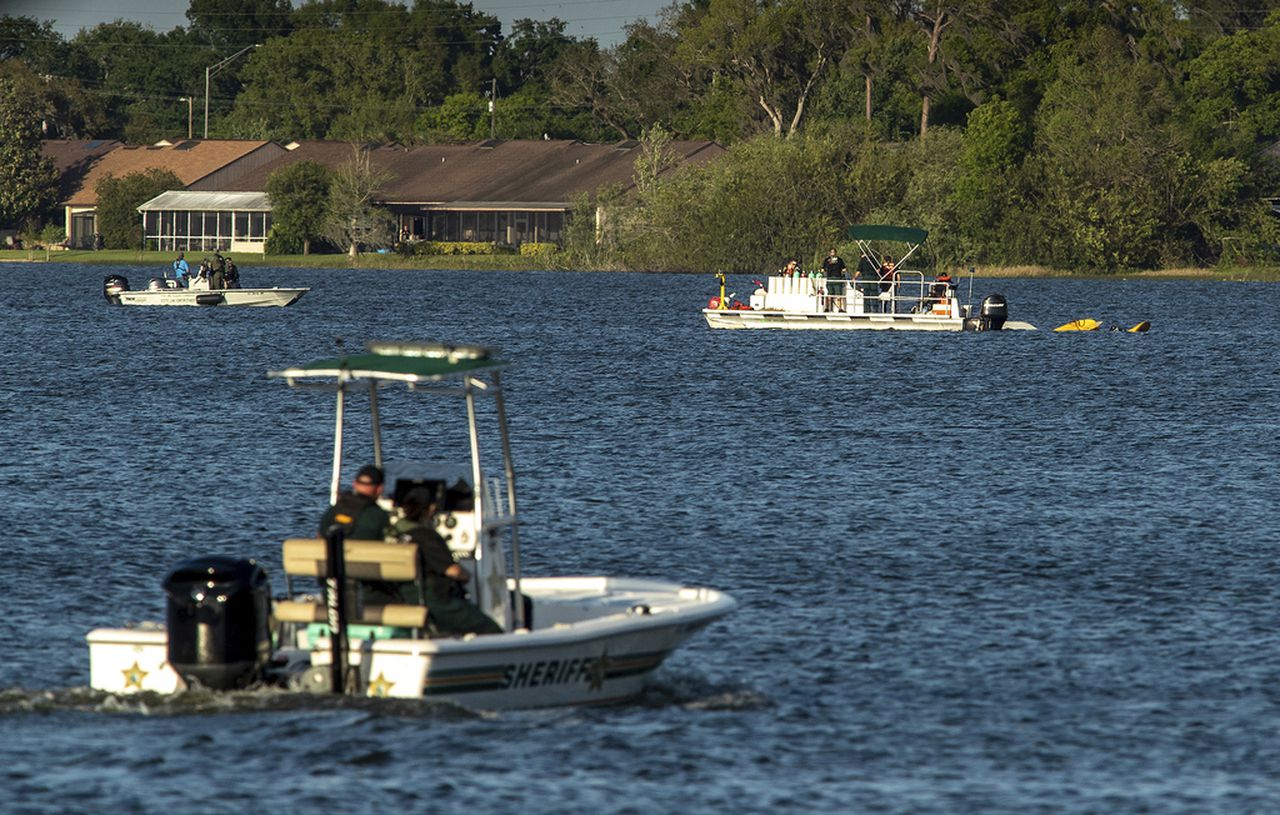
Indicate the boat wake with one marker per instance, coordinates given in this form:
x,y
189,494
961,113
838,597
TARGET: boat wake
x,y
687,691
697,693
201,702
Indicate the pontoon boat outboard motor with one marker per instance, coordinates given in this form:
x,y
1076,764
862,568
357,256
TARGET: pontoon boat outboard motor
x,y
112,285
993,314
218,621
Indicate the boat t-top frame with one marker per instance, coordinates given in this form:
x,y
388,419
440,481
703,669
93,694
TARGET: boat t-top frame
x,y
436,368
864,234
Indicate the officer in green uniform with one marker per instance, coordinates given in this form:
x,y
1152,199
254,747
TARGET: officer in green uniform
x,y
357,511
448,611
217,271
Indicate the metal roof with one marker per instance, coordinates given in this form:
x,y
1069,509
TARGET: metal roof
x,y
209,201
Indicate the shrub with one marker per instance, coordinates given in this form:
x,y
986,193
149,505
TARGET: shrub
x,y
538,250
454,248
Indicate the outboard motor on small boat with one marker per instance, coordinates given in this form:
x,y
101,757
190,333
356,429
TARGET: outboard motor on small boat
x,y
218,621
155,284
994,311
112,285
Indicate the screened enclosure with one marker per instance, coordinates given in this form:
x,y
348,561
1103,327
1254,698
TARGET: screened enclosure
x,y
207,221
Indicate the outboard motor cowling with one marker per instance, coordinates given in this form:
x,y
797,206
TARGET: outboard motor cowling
x,y
218,621
112,285
155,284
995,310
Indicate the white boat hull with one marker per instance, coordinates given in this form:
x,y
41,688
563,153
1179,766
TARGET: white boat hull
x,y
595,639
832,321
215,297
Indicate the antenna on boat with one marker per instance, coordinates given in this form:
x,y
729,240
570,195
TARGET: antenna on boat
x,y
970,284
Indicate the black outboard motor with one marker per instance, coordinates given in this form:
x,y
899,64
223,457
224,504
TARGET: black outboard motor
x,y
995,310
112,285
218,621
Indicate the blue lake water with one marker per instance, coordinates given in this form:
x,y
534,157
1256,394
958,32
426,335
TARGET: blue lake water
x,y
989,573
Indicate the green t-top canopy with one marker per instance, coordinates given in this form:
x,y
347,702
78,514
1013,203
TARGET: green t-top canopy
x,y
885,232
400,362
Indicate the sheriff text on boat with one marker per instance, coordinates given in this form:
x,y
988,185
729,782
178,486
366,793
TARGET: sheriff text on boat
x,y
886,295
564,640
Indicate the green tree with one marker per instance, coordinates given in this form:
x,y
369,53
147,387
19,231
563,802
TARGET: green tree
x,y
364,71
1232,90
1103,148
776,50
988,180
299,203
118,220
461,117
28,181
763,201
351,219
228,25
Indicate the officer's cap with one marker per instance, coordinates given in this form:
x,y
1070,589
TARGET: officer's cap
x,y
369,474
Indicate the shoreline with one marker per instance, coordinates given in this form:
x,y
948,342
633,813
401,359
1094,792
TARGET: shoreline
x,y
520,263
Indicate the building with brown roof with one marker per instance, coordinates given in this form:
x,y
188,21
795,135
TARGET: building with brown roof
x,y
494,191
191,160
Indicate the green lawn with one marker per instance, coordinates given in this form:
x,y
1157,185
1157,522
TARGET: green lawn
x,y
132,257
481,263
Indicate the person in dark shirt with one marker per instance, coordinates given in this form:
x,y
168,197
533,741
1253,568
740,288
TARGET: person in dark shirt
x,y
357,511
834,270
448,611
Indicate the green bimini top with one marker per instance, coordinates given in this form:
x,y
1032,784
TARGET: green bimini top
x,y
885,232
400,362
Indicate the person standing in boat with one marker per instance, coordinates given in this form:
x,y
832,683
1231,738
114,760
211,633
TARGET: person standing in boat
x,y
217,271
357,511
448,611
886,275
941,288
834,269
181,271
231,276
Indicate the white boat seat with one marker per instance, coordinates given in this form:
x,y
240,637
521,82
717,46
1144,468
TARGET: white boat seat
x,y
365,559
398,615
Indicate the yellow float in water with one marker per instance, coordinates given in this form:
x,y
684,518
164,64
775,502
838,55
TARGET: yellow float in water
x,y
1087,324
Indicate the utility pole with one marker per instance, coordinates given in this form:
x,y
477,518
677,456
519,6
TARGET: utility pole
x,y
188,100
210,71
493,115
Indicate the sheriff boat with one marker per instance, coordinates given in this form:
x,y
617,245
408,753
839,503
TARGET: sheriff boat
x,y
886,296
167,292
564,640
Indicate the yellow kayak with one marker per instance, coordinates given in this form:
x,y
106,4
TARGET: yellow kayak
x,y
1141,328
1087,324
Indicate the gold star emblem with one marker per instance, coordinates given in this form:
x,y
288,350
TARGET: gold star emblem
x,y
597,671
133,676
380,686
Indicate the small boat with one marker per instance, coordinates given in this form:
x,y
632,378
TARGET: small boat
x,y
891,297
168,292
563,641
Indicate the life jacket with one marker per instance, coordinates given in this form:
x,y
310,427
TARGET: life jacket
x,y
348,508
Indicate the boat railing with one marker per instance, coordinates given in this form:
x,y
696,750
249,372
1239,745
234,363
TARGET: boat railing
x,y
907,292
